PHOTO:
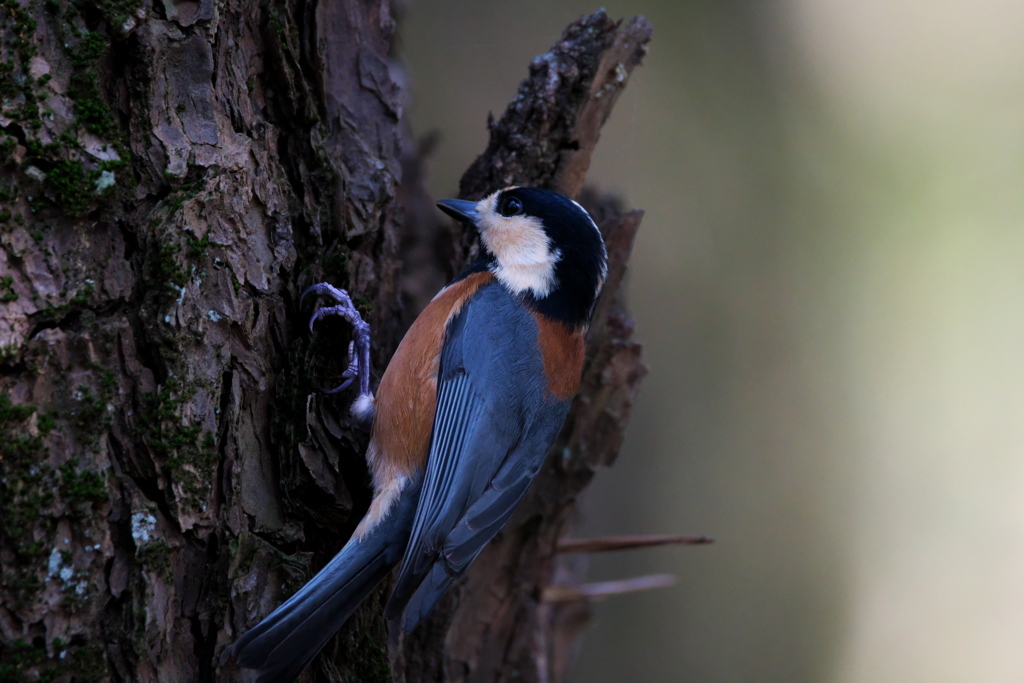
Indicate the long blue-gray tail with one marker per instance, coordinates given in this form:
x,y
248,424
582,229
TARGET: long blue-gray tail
x,y
283,644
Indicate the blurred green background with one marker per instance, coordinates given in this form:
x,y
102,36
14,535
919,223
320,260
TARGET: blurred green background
x,y
830,288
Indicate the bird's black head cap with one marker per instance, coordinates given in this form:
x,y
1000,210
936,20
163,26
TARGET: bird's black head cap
x,y
541,245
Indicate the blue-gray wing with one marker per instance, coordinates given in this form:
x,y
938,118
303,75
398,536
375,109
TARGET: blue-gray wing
x,y
494,424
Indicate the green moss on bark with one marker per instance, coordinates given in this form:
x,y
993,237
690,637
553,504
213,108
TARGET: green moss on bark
x,y
26,497
22,661
80,488
60,174
189,454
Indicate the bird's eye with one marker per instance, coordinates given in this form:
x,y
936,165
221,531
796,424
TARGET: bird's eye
x,y
510,206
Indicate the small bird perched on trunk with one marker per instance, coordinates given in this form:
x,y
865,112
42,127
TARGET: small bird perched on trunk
x,y
464,415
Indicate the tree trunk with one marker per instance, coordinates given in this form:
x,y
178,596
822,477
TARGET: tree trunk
x,y
174,176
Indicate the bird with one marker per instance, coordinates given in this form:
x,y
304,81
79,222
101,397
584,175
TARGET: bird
x,y
464,415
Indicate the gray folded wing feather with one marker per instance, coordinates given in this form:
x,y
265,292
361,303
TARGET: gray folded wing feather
x,y
494,423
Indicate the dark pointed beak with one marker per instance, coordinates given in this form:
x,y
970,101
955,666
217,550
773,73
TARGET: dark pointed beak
x,y
460,209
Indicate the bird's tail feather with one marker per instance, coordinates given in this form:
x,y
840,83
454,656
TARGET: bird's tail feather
x,y
423,600
284,643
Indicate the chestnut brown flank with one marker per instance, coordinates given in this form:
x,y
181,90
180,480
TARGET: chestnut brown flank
x,y
407,397
562,349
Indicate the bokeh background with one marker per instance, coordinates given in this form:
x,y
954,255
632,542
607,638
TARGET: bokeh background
x,y
829,283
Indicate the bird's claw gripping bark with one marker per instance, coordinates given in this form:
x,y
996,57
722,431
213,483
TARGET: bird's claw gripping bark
x,y
358,349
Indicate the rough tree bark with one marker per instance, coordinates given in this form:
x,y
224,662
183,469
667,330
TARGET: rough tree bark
x,y
174,175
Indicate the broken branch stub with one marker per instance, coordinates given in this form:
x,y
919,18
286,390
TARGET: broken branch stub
x,y
548,133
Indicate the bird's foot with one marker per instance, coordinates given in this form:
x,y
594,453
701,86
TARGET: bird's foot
x,y
358,349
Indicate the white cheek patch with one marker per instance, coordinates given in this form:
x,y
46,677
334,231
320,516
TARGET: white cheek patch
x,y
523,252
